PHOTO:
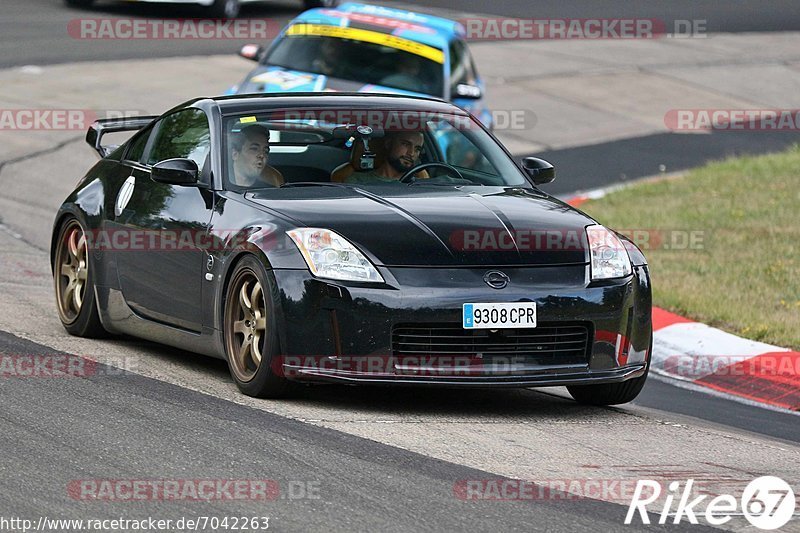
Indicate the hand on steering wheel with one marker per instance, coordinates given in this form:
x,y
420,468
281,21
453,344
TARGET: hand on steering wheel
x,y
410,174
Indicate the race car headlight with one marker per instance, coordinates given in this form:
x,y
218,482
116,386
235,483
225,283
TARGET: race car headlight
x,y
609,257
329,255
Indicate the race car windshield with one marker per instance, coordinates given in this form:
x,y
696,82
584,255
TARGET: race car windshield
x,y
367,63
324,145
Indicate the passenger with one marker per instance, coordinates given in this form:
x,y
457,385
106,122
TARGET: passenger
x,y
250,154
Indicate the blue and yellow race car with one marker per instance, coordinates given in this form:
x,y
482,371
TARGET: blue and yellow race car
x,y
366,48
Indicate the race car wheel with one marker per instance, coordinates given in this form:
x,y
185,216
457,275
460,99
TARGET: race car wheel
x,y
79,3
74,283
225,9
250,330
611,393
320,3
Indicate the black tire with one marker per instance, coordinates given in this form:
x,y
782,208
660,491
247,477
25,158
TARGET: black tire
x,y
262,378
79,3
81,320
320,3
611,393
225,9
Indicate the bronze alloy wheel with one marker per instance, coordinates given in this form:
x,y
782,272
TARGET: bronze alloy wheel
x,y
245,324
250,330
71,272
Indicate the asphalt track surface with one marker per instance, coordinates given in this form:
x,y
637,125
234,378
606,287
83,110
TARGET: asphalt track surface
x,y
105,425
595,166
117,424
719,410
34,31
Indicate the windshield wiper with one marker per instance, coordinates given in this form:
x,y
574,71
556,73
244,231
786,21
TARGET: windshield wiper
x,y
454,183
314,184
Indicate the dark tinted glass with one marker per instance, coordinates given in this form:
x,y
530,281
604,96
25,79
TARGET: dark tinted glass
x,y
183,134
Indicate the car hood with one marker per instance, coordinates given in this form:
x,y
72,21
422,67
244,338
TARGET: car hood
x,y
269,79
440,226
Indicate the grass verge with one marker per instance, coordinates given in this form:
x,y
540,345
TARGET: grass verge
x,y
723,243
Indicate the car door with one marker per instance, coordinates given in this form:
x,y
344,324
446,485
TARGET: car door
x,y
161,261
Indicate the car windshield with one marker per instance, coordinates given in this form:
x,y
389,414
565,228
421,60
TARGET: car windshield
x,y
363,147
368,57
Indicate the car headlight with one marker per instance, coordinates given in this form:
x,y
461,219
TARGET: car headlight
x,y
329,255
609,257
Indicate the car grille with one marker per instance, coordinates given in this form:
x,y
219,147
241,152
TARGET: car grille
x,y
547,344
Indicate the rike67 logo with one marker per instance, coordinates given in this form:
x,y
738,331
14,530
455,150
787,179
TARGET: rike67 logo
x,y
767,502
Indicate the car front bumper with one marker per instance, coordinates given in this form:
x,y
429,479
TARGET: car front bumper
x,y
348,332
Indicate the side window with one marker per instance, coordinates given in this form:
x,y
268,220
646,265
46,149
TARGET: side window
x,y
461,66
136,151
182,134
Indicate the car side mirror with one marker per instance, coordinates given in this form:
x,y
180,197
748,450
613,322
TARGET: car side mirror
x,y
177,171
465,90
539,170
251,51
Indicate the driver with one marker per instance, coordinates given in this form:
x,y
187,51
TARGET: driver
x,y
330,57
403,150
250,153
407,75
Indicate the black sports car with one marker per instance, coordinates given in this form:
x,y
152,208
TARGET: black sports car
x,y
348,238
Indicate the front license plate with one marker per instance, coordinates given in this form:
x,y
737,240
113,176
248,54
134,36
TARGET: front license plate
x,y
496,316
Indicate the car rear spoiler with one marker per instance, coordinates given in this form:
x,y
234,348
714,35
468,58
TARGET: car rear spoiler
x,y
100,127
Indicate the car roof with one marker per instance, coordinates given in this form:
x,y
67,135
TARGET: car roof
x,y
418,27
254,103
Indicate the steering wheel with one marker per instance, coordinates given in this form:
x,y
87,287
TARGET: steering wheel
x,y
409,176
